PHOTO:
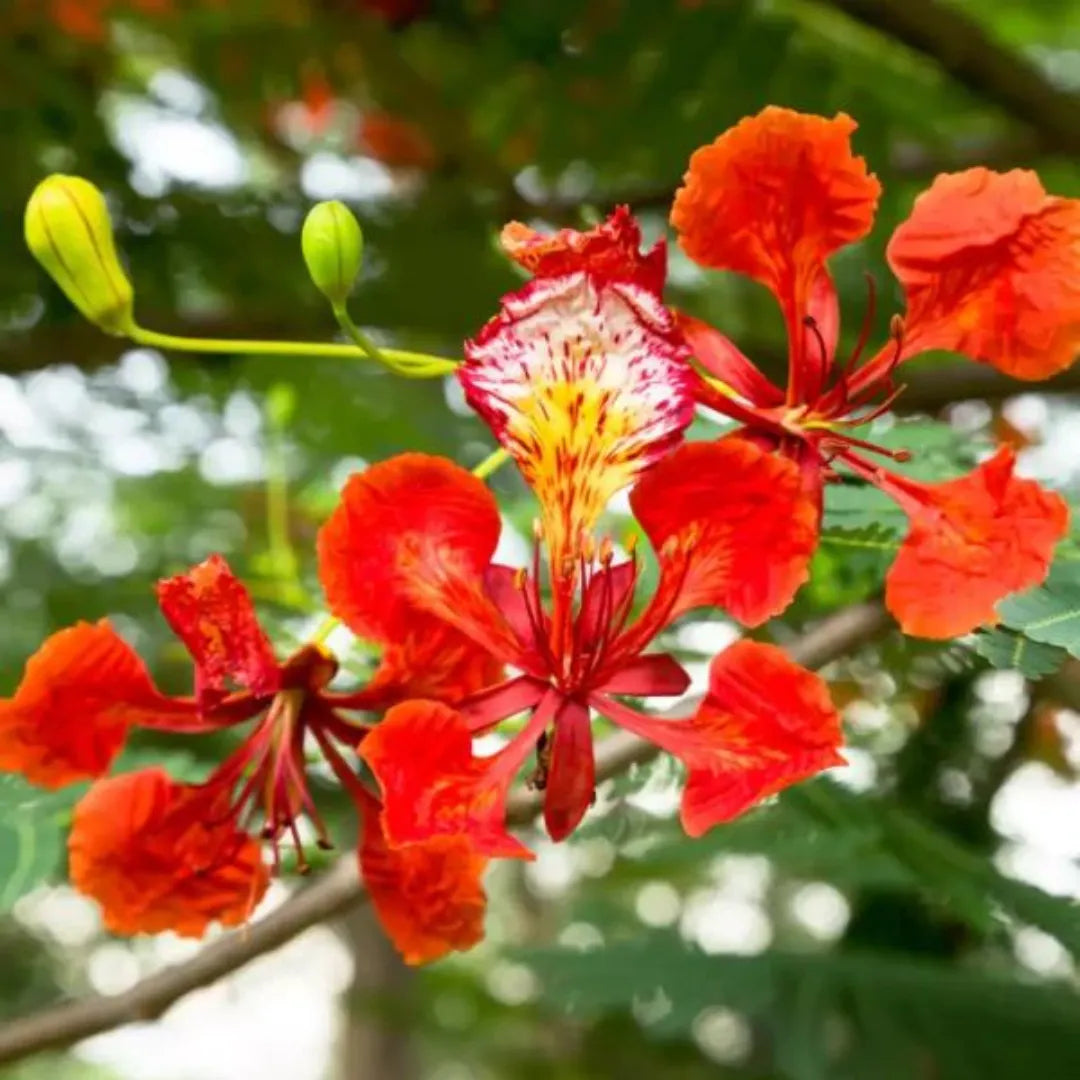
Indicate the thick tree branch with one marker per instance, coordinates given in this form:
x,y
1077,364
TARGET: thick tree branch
x,y
340,889
977,61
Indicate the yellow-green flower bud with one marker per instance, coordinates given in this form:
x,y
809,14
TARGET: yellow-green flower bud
x,y
69,232
333,247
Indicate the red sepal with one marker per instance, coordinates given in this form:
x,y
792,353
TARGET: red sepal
x,y
657,675
722,358
571,776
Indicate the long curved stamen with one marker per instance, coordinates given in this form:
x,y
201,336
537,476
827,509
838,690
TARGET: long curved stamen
x,y
586,577
534,611
866,382
906,492
346,777
595,656
879,410
630,640
811,324
845,441
626,605
296,776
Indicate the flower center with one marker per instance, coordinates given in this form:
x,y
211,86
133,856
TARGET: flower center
x,y
266,776
571,639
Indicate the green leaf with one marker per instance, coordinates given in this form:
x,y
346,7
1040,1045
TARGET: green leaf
x,y
850,507
31,837
1012,650
934,1018
1049,614
872,536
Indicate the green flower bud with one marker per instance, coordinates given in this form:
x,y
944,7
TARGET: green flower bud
x,y
69,232
333,247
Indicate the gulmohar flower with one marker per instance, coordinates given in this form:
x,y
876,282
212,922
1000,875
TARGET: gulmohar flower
x,y
990,266
583,380
158,854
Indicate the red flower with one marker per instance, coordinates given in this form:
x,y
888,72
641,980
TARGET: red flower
x,y
412,541
990,265
162,855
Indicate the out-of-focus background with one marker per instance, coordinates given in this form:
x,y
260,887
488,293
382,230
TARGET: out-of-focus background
x,y
914,915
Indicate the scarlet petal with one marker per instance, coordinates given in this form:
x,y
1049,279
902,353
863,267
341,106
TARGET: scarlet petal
x,y
765,724
774,196
609,252
428,897
157,855
211,612
80,693
991,267
439,663
586,385
972,542
732,526
405,551
722,358
571,779
432,785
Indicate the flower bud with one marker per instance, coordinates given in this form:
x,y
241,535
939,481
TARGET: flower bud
x,y
69,232
333,246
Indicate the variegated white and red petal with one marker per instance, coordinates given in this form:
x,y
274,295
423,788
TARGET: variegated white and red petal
x,y
586,383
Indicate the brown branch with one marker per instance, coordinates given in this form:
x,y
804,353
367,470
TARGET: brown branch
x,y
930,389
340,889
986,67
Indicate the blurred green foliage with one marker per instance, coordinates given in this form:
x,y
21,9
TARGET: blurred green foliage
x,y
212,127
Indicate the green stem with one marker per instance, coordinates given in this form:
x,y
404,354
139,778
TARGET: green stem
x,y
283,557
491,463
416,366
394,357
